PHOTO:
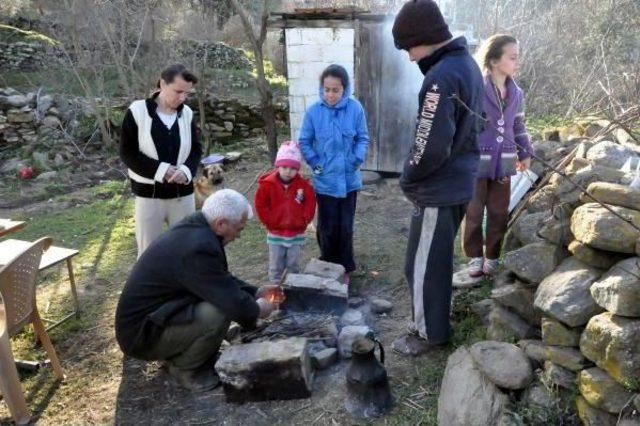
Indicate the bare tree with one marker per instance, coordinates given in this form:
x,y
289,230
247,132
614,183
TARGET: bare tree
x,y
200,66
266,94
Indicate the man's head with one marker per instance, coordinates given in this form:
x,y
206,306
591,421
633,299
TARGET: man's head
x,y
175,83
227,212
418,27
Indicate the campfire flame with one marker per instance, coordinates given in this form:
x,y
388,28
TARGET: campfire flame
x,y
276,296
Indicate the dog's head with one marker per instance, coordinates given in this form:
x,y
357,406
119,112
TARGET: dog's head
x,y
213,173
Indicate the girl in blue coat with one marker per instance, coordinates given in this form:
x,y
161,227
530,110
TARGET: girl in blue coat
x,y
333,140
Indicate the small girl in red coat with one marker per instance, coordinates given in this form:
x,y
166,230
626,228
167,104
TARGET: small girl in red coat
x,y
285,203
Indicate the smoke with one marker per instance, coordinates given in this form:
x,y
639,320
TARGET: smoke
x,y
400,85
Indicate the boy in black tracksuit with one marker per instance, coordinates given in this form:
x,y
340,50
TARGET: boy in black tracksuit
x,y
439,173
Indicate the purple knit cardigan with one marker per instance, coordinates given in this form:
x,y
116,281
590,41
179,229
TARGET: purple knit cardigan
x,y
505,139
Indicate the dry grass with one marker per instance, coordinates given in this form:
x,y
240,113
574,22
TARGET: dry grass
x,y
101,388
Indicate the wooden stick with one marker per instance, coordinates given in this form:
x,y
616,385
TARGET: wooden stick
x,y
318,418
253,182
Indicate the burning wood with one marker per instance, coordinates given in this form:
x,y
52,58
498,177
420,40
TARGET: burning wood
x,y
316,326
275,296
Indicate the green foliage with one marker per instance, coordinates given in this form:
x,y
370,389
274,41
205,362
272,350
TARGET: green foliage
x,y
561,413
536,124
270,72
633,384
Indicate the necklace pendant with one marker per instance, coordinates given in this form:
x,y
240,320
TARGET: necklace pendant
x,y
501,122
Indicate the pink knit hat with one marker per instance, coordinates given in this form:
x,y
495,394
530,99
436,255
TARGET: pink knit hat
x,y
289,155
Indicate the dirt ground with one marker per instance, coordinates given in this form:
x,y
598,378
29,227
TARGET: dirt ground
x,y
103,387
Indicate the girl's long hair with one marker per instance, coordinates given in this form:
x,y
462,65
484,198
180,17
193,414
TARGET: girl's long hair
x,y
492,49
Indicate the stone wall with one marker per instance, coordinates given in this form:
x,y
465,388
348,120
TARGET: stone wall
x,y
219,55
36,129
34,55
23,56
41,129
570,292
577,269
228,119
27,118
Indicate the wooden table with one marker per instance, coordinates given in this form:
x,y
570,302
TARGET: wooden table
x,y
53,256
8,226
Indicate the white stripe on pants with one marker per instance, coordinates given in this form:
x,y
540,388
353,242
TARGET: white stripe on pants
x,y
152,213
420,267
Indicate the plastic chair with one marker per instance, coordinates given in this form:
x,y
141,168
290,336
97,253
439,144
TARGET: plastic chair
x,y
18,290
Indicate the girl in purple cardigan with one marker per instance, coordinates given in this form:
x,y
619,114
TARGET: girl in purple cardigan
x,y
505,148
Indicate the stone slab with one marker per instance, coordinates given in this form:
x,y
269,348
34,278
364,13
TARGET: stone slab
x,y
257,371
310,293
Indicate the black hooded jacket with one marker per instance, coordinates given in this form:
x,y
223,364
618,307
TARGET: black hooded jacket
x,y
441,167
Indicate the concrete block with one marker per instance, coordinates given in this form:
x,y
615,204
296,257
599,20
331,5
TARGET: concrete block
x,y
317,36
304,53
344,37
293,36
297,104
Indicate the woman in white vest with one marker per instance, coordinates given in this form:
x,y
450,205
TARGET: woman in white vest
x,y
160,147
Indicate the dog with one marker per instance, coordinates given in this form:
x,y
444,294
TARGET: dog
x,y
205,185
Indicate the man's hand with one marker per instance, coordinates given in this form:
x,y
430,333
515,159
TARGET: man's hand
x,y
523,165
271,292
266,307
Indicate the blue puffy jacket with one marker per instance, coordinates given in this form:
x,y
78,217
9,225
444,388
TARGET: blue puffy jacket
x,y
336,138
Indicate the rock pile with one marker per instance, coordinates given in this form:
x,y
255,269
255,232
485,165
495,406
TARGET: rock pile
x,y
570,293
219,55
34,129
22,55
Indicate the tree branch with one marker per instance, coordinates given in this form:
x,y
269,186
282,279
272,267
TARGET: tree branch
x,y
245,23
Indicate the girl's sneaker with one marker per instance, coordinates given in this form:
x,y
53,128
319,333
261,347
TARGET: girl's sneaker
x,y
476,267
491,266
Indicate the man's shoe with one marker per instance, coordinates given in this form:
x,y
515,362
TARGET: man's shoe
x,y
200,380
413,345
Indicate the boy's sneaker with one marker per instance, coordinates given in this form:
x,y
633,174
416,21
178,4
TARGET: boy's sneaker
x,y
411,344
491,266
476,267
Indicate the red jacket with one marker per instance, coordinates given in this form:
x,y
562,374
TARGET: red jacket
x,y
285,211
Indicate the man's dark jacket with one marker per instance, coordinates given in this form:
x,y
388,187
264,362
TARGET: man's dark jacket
x,y
441,168
183,267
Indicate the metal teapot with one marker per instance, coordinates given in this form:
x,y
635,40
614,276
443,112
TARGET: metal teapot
x,y
368,391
